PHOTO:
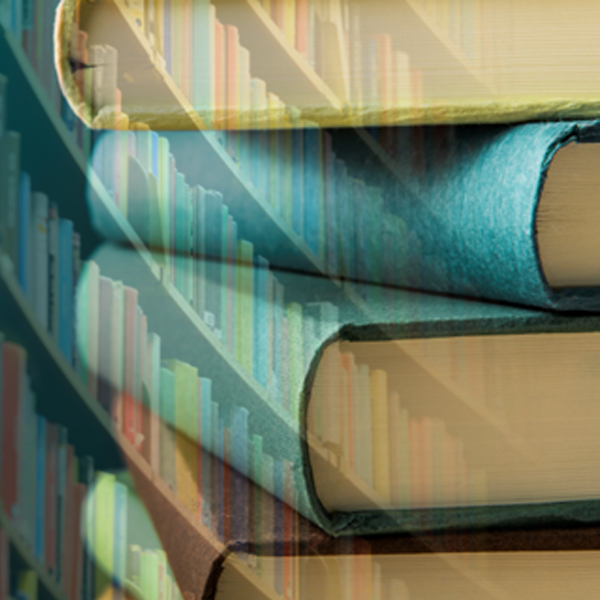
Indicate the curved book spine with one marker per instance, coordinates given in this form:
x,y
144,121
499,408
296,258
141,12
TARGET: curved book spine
x,y
474,230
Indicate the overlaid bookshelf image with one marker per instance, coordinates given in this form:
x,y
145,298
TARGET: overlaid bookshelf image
x,y
298,299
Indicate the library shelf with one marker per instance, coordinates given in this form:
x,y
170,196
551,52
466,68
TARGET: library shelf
x,y
22,558
287,73
291,77
31,112
419,30
90,428
141,72
145,478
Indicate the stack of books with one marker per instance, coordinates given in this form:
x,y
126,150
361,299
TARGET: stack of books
x,y
321,430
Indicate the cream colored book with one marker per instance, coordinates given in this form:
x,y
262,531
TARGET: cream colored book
x,y
480,61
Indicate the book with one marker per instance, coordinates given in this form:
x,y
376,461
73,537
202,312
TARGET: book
x,y
472,221
9,185
492,221
487,369
486,69
486,566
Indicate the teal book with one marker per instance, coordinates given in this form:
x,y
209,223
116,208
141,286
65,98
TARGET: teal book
x,y
166,428
505,393
497,215
486,211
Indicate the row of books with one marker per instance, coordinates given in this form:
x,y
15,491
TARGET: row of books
x,y
335,213
43,248
30,24
410,461
112,519
456,20
208,64
27,587
43,482
44,492
163,405
205,453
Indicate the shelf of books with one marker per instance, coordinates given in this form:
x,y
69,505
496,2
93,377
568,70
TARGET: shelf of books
x,y
444,32
153,93
181,344
91,353
46,587
35,108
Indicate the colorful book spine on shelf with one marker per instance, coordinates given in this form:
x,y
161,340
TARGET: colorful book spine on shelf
x,y
192,425
4,564
43,249
41,489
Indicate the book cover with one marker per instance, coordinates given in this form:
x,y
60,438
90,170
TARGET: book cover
x,y
13,380
492,184
24,218
65,288
10,148
104,533
38,257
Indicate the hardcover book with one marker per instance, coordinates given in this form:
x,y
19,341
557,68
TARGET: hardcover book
x,y
486,62
416,412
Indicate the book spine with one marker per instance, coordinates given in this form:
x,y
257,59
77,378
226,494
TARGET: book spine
x,y
239,460
61,501
120,540
52,433
10,145
23,271
207,435
13,369
40,512
65,288
167,419
104,534
39,257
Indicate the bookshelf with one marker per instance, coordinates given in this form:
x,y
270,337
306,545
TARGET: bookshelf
x,y
277,62
272,236
417,29
50,370
142,75
21,558
31,112
100,425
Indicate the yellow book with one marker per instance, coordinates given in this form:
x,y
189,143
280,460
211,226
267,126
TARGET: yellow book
x,y
186,432
381,435
289,20
478,62
27,584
